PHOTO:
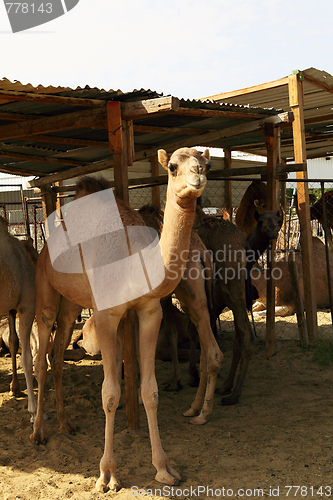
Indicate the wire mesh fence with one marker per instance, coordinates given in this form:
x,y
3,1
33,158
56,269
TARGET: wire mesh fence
x,y
27,210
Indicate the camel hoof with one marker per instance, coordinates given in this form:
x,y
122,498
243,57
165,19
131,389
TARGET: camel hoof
x,y
199,420
229,401
194,382
165,478
174,387
190,413
222,392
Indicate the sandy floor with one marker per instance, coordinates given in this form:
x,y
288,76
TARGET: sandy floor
x,y
279,435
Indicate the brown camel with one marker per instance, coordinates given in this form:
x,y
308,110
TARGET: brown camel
x,y
17,297
284,300
194,293
234,257
255,198
186,180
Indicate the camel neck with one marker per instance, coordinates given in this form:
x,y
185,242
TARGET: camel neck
x,y
175,237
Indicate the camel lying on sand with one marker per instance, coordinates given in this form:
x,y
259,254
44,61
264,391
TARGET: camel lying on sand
x,y
284,300
90,285
17,297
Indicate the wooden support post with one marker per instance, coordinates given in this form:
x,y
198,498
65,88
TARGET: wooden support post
x,y
48,202
227,184
298,301
271,135
296,98
156,201
119,147
121,143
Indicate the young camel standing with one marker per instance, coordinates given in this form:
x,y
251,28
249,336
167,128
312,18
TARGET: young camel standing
x,y
186,181
17,296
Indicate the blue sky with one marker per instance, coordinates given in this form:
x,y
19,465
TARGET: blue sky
x,y
186,48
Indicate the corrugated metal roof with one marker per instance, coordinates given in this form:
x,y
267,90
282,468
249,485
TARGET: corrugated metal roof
x,y
36,139
318,111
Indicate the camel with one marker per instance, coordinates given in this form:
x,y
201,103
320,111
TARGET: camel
x,y
316,212
17,297
194,293
284,300
254,199
89,287
234,257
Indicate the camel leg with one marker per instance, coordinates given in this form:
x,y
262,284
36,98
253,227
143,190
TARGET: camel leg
x,y
149,324
172,338
244,337
13,348
26,319
68,312
106,330
47,306
193,370
210,362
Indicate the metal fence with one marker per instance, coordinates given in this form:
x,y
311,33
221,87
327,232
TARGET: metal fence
x,y
19,213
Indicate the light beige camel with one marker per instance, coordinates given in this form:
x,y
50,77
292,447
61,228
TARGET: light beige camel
x,y
284,300
186,174
17,297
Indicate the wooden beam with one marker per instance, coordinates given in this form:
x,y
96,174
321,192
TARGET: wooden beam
x,y
146,129
17,171
70,173
118,147
42,159
271,146
317,83
147,107
227,184
247,90
93,118
219,113
11,96
67,140
211,137
296,99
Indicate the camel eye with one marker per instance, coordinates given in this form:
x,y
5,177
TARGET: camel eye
x,y
172,167
208,167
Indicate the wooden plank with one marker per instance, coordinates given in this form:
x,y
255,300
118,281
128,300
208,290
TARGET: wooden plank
x,y
219,113
227,184
298,301
11,96
93,118
296,103
271,146
141,109
48,201
119,148
247,90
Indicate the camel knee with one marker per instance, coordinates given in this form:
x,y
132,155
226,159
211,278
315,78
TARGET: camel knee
x,y
111,399
48,316
149,397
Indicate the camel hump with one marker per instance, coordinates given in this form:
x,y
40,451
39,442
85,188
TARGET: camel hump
x,y
89,184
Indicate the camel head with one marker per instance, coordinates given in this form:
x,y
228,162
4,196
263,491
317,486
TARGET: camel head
x,y
269,223
187,170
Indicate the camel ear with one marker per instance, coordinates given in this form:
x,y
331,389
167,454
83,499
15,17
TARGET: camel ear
x,y
256,214
256,203
206,154
163,158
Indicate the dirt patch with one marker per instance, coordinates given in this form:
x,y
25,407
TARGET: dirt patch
x,y
280,434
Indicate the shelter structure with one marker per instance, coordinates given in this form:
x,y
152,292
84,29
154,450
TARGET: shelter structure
x,y
56,133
